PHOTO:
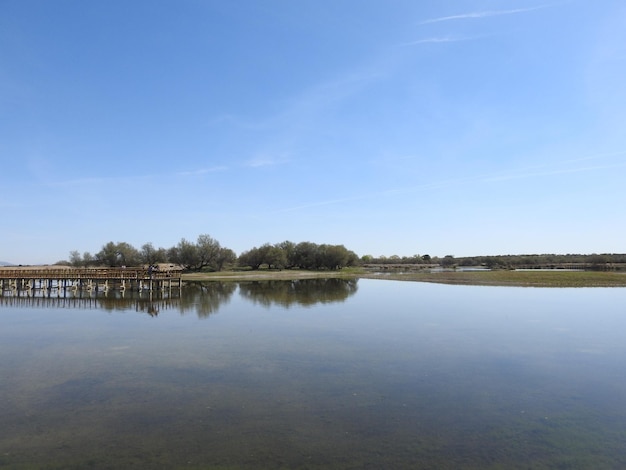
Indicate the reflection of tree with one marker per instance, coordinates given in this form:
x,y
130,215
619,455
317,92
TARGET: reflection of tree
x,y
202,298
300,292
151,308
205,298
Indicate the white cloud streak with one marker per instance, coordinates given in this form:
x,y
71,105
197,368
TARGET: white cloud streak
x,y
131,179
521,173
329,202
550,173
442,39
482,14
202,171
265,160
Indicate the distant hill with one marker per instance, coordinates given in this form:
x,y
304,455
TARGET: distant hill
x,y
5,263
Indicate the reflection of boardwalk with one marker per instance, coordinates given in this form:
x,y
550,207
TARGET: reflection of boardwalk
x,y
18,279
148,302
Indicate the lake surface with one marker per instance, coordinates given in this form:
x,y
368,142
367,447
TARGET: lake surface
x,y
315,374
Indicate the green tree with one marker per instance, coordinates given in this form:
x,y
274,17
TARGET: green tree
x,y
186,254
88,259
289,248
225,256
448,261
275,257
331,257
150,255
305,255
75,258
108,255
127,255
116,254
252,258
208,250
598,262
173,255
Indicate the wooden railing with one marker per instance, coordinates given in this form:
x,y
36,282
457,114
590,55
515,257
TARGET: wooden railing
x,y
88,273
139,278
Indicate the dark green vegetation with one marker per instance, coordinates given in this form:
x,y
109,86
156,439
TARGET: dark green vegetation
x,y
530,278
545,261
304,255
207,255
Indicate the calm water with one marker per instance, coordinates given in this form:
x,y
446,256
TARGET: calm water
x,y
316,374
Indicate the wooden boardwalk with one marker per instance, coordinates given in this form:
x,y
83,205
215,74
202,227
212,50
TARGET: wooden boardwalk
x,y
137,278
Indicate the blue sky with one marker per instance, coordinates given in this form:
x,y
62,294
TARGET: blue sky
x,y
391,127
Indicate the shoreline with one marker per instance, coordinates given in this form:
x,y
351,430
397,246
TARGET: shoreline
x,y
502,278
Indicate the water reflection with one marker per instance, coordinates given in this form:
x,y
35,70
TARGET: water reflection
x,y
298,292
150,302
206,298
396,375
202,298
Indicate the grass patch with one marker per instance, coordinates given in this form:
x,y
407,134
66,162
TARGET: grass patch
x,y
273,274
537,278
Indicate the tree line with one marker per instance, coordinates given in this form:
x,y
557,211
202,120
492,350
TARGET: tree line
x,y
206,253
591,261
304,255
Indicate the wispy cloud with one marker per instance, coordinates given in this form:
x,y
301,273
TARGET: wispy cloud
x,y
328,202
596,156
267,160
522,175
308,104
482,14
114,180
558,168
440,39
221,119
202,171
562,167
92,181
